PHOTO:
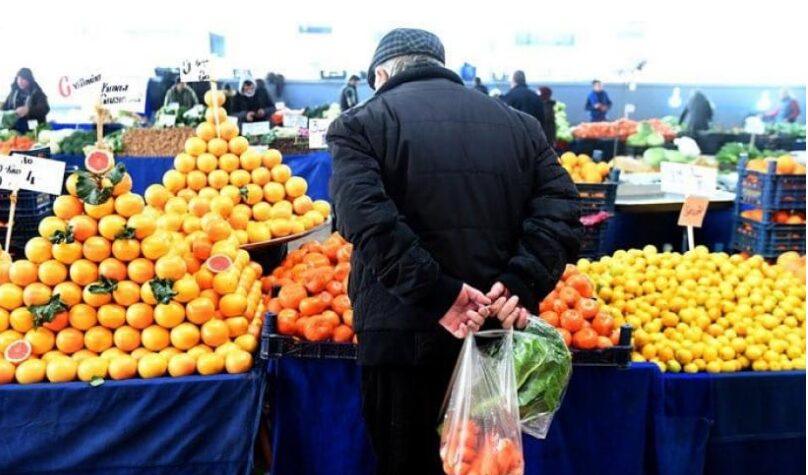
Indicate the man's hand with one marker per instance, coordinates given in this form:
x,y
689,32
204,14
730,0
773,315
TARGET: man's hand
x,y
467,313
260,114
506,307
21,111
250,116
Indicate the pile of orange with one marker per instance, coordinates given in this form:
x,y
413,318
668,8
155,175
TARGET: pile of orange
x,y
583,322
253,193
311,301
779,217
786,165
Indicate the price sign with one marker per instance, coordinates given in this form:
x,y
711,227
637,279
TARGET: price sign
x,y
693,211
688,179
298,121
196,70
255,128
166,120
33,124
75,89
32,173
317,130
753,125
124,93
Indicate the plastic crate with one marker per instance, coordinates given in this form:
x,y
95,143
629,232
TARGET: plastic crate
x,y
766,239
593,243
596,197
618,355
770,191
27,201
26,226
274,345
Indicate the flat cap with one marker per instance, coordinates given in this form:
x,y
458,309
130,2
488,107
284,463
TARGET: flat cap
x,y
404,41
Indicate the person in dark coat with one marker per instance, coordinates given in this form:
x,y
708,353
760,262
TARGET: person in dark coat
x,y
549,126
521,98
479,86
597,102
700,112
252,104
445,194
27,100
348,97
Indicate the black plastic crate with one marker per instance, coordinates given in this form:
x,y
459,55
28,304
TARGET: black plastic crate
x,y
594,197
770,191
282,345
593,243
618,355
767,240
26,226
27,201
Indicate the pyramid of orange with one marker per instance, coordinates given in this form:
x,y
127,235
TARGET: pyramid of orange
x,y
120,289
254,192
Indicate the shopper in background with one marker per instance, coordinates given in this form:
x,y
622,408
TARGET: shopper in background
x,y
348,97
700,111
789,108
478,85
27,100
181,94
521,98
442,192
549,126
251,105
598,102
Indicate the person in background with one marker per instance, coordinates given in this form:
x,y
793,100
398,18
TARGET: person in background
x,y
478,85
598,102
546,96
27,101
250,105
433,219
348,97
789,108
181,94
700,111
521,98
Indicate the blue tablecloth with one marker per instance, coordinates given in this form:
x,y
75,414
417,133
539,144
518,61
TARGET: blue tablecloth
x,y
190,425
315,167
625,422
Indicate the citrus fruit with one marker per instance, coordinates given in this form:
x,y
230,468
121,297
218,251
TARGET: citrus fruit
x,y
92,367
181,364
209,363
31,371
238,361
61,370
122,367
18,351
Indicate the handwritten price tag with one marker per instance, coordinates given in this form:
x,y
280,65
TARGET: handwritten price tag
x,y
693,211
32,173
255,128
196,70
317,131
688,179
124,93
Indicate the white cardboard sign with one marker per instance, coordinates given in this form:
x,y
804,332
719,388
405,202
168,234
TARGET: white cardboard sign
x,y
317,131
32,173
255,128
196,70
299,121
123,93
686,179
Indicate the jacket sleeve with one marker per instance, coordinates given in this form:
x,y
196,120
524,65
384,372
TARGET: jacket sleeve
x,y
39,107
589,103
551,230
369,219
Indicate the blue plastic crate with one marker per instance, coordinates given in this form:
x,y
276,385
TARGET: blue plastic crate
x,y
27,201
766,239
770,191
26,226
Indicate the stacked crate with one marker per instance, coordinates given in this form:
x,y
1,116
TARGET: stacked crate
x,y
595,198
32,207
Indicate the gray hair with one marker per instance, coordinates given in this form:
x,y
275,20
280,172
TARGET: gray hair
x,y
401,63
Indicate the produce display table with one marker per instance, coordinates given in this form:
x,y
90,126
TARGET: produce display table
x,y
620,421
314,166
190,425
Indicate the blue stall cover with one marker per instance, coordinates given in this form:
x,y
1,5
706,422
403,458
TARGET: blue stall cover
x,y
191,425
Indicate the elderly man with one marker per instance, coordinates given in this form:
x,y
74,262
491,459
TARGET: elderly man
x,y
443,192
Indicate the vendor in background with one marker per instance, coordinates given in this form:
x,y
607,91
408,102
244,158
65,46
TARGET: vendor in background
x,y
181,94
478,85
598,102
789,108
251,105
700,111
546,96
348,97
27,100
521,98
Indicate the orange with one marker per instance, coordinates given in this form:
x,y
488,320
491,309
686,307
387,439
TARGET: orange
x,y
239,220
41,340
233,305
191,263
97,339
69,340
271,158
214,97
70,184
139,315
302,205
280,227
10,296
185,336
100,210
126,249
83,272
92,367
82,316
261,211
124,186
253,193
169,315
204,278
181,365
67,253
217,147
6,372
209,363
170,222
36,294
156,195
205,131
126,338
67,206
215,333
237,326
83,227
323,207
222,206
155,246
154,338
96,249
232,192
238,361
229,162
122,367
110,226
30,371
281,210
140,270
111,316
186,288
195,146
184,163
81,355
196,180
176,205
198,350
52,272
218,179
170,267
281,173
250,160
206,162
147,294
238,145
69,293
296,186
95,299
129,204
152,366
22,273
50,225
61,370
228,130
38,250
199,310
214,115
225,282
248,342
173,181
143,225
112,268
198,206
239,178
274,192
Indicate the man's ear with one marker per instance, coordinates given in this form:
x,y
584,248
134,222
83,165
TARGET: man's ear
x,y
381,77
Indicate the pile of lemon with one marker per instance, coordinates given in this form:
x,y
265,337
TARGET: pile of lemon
x,y
583,169
703,311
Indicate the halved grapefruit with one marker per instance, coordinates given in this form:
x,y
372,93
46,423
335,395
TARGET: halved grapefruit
x,y
18,351
218,263
98,161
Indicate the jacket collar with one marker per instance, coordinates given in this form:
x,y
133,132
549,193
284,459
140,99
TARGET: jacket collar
x,y
419,73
